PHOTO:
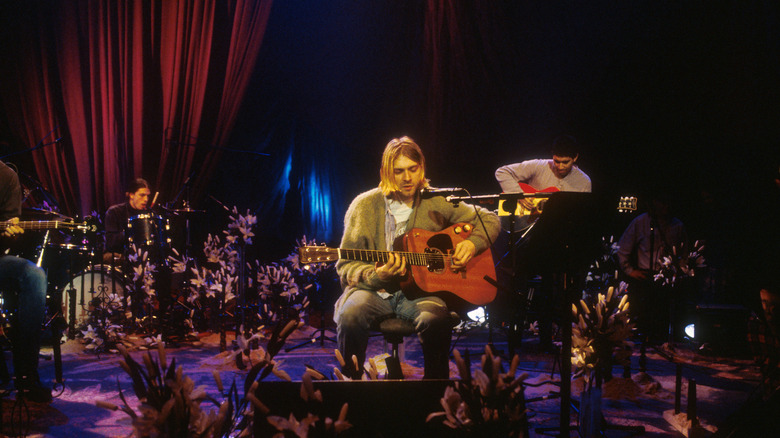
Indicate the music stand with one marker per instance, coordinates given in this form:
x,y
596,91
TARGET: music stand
x,y
564,241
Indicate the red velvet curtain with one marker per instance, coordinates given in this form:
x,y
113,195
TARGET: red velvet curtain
x,y
137,88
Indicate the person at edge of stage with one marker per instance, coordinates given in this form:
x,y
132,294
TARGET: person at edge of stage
x,y
646,240
764,327
764,334
117,216
371,291
29,282
562,173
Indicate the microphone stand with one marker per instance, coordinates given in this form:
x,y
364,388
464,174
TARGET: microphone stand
x,y
39,185
650,286
36,147
242,278
507,207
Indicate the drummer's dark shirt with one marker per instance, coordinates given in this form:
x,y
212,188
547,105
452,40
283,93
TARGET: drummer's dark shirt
x,y
115,223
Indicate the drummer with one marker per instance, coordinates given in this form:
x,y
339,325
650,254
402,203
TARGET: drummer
x,y
117,216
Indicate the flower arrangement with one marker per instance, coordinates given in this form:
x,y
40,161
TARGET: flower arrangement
x,y
208,298
171,404
141,285
313,423
673,268
109,316
603,271
315,279
289,288
600,334
278,293
490,403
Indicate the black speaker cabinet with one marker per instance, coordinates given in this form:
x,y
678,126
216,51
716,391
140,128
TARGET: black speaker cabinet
x,y
382,408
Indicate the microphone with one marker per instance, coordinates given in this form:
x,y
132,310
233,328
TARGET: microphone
x,y
187,181
220,204
429,192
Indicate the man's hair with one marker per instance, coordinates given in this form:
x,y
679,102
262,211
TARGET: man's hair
x,y
137,184
395,148
565,146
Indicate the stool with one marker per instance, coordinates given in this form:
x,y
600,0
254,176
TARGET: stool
x,y
394,330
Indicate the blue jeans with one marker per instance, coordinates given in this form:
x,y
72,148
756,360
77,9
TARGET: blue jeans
x,y
364,309
29,282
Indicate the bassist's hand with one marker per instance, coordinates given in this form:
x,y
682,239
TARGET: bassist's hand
x,y
11,228
464,251
395,267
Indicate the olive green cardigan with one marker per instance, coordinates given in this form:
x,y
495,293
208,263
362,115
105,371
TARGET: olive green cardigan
x,y
364,228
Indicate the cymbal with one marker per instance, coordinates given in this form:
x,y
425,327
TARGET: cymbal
x,y
34,212
185,211
39,210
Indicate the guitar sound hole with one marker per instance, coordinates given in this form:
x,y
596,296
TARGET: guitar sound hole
x,y
435,260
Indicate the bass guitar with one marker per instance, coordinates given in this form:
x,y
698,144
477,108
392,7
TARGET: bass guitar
x,y
50,225
429,265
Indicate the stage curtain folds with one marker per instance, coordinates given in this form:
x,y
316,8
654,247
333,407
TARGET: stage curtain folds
x,y
135,88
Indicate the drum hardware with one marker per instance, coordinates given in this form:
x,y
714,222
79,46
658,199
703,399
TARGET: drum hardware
x,y
45,243
187,213
146,230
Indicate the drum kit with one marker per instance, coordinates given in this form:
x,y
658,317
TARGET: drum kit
x,y
80,277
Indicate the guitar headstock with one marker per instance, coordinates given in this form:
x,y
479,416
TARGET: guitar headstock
x,y
88,226
626,204
317,254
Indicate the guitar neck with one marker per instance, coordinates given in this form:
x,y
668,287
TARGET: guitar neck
x,y
36,225
368,255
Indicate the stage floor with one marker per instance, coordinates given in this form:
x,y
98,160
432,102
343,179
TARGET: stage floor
x,y
724,383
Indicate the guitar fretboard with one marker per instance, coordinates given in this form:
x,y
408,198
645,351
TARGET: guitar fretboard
x,y
412,258
36,225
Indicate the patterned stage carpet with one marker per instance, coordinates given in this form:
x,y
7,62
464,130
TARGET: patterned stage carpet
x,y
724,384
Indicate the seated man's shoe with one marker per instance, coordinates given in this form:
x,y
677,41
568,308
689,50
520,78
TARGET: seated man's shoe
x,y
33,390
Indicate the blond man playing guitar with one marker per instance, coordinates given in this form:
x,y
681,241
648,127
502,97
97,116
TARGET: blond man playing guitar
x,y
372,276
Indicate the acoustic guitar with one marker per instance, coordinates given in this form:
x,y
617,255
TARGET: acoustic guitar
x,y
429,265
528,210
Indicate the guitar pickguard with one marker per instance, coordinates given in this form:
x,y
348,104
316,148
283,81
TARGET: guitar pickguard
x,y
435,276
438,244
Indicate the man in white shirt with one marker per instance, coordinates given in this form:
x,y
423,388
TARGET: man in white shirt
x,y
557,174
560,172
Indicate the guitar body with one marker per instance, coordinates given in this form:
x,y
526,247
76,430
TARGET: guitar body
x,y
476,284
429,272
527,211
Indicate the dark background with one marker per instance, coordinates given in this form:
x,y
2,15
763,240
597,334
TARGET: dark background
x,y
678,95
682,95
